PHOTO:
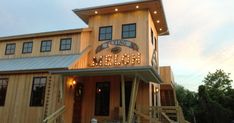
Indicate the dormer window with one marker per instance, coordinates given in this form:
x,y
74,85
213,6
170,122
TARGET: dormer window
x,y
46,46
27,47
129,31
65,44
10,49
105,33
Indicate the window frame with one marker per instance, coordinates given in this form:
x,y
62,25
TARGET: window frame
x,y
44,93
129,30
27,48
96,113
152,36
7,81
10,49
45,46
99,34
62,39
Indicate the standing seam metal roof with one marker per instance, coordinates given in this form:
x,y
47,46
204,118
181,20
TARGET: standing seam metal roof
x,y
37,63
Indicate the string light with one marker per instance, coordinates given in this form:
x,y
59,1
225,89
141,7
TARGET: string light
x,y
116,60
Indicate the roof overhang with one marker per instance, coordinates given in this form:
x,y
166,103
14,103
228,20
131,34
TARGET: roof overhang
x,y
37,64
155,7
44,34
147,73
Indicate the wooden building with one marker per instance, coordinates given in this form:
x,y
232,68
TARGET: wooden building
x,y
109,71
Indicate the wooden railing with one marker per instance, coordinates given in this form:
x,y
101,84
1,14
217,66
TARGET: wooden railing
x,y
55,115
161,114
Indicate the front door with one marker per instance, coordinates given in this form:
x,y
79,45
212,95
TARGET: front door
x,y
77,107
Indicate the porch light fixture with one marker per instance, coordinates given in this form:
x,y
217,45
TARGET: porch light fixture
x,y
156,90
96,12
74,82
158,21
116,10
155,12
137,6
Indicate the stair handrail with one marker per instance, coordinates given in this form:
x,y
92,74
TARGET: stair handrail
x,y
55,114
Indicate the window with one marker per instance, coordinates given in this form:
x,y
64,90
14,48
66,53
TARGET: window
x,y
129,31
27,47
152,37
102,101
155,40
38,91
10,49
65,44
46,46
105,33
3,90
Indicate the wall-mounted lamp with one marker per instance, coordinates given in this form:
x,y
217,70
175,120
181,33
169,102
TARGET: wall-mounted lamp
x,y
156,90
73,83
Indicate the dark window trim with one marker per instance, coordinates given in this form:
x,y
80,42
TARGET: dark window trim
x,y
100,31
23,47
60,47
50,45
32,93
6,49
127,25
152,36
7,79
155,40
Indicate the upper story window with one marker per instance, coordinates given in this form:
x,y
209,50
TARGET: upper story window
x,y
46,46
152,37
27,47
155,40
3,90
129,31
38,91
102,101
105,33
10,49
65,44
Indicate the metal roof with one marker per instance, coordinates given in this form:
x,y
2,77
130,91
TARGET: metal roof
x,y
37,63
146,73
44,34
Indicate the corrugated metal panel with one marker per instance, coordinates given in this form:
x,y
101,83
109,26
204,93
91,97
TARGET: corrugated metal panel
x,y
37,63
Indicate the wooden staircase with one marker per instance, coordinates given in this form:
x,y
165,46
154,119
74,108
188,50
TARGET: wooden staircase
x,y
160,114
51,114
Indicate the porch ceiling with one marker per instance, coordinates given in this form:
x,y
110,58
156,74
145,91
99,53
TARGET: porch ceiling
x,y
146,73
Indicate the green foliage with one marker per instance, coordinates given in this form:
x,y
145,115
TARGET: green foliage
x,y
214,102
218,85
210,111
187,101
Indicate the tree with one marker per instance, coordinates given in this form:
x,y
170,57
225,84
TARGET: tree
x,y
210,111
187,101
218,85
220,93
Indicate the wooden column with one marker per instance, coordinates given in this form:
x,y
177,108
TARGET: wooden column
x,y
135,86
123,98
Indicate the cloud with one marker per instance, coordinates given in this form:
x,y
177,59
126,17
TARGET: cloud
x,y
189,47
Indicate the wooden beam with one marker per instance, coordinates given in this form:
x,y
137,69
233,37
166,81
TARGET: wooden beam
x,y
123,98
135,86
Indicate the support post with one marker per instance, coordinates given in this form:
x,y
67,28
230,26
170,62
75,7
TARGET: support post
x,y
123,98
135,86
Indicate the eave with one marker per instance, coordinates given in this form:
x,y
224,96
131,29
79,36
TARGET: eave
x,y
151,5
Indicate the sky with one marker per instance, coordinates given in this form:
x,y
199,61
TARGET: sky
x,y
200,41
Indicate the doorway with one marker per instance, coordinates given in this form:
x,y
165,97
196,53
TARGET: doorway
x,y
128,90
77,106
